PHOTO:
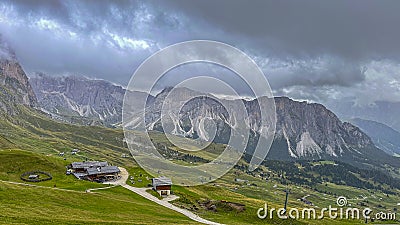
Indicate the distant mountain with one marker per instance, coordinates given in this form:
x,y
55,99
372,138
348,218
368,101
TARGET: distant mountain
x,y
304,130
15,88
382,135
71,98
380,111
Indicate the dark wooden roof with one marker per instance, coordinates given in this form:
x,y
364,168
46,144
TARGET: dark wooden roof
x,y
88,164
102,170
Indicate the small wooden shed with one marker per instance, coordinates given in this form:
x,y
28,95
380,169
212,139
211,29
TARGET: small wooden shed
x,y
162,185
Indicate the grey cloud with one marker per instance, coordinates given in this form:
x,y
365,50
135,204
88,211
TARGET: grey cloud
x,y
325,71
103,32
381,83
308,49
352,29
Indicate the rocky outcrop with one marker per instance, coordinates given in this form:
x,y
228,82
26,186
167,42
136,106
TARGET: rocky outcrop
x,y
74,96
15,88
311,130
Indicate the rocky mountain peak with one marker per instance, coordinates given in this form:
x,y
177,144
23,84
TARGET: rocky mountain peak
x,y
15,86
71,98
310,129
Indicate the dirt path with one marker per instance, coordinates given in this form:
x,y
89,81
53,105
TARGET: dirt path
x,y
39,186
142,192
102,188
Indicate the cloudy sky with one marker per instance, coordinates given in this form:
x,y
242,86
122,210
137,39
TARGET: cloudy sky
x,y
315,50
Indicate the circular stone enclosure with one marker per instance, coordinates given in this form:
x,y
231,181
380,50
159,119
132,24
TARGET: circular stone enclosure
x,y
36,176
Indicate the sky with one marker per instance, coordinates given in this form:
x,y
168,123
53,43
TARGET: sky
x,y
318,51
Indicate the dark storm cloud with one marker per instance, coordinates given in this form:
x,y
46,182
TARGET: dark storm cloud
x,y
106,39
354,29
325,71
307,49
314,49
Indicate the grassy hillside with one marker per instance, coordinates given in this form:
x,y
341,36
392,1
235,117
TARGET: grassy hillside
x,y
33,131
14,162
68,203
321,182
254,192
43,139
29,205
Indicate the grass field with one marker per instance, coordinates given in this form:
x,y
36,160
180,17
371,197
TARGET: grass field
x,y
69,204
30,205
47,205
255,195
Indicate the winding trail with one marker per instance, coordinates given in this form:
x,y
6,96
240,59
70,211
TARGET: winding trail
x,y
142,192
39,186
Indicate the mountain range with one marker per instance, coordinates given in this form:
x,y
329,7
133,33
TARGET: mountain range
x,y
303,130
